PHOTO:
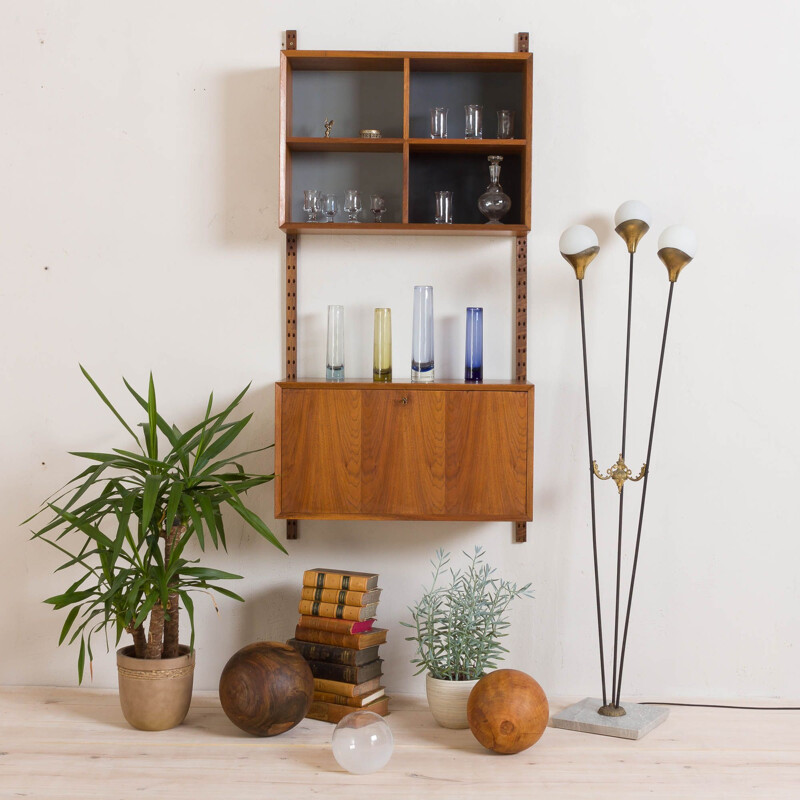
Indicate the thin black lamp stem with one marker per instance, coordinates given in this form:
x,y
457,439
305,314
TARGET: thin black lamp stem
x,y
591,490
644,491
614,697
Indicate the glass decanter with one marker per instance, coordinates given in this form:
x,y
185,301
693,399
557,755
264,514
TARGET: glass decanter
x,y
494,203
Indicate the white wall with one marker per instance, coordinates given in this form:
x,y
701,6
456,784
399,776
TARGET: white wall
x,y
138,231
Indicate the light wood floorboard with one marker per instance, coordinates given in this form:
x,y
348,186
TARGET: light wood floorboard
x,y
74,743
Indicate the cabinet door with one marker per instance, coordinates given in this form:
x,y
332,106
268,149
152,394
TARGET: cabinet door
x,y
488,458
320,452
403,453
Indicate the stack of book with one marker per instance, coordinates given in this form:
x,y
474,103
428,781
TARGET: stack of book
x,y
336,635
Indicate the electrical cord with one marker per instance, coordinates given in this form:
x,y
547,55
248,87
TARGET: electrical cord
x,y
712,705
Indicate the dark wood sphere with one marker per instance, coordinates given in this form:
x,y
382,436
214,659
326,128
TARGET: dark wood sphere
x,y
266,688
507,711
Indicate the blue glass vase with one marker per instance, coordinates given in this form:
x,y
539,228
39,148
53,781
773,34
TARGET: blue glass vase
x,y
473,362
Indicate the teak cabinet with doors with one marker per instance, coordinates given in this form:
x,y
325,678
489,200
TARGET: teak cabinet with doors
x,y
363,450
404,451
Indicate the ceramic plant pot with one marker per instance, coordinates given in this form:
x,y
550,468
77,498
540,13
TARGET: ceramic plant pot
x,y
448,701
155,694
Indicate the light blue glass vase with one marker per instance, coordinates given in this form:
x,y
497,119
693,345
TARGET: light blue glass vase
x,y
422,336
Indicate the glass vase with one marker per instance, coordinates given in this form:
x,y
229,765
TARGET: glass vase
x,y
473,360
382,346
438,123
334,366
473,121
494,203
443,214
422,336
505,124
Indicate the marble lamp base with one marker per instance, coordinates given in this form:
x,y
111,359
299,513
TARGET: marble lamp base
x,y
638,721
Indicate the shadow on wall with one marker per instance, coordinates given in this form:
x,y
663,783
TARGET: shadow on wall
x,y
250,155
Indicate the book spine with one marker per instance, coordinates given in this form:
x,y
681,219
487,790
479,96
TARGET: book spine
x,y
340,596
316,651
336,580
333,712
337,639
345,672
317,609
336,625
329,697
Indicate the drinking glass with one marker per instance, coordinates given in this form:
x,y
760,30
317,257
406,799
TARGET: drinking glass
x,y
311,203
330,205
377,206
382,346
473,122
444,208
334,366
473,360
422,336
439,123
505,124
352,204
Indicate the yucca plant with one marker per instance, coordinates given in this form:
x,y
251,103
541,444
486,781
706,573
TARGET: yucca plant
x,y
127,518
458,627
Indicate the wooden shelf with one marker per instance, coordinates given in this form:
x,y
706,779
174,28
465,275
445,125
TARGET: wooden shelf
x,y
393,92
401,228
319,144
435,386
379,60
480,146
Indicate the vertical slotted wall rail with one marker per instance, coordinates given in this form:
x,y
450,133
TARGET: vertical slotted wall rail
x,y
291,304
521,316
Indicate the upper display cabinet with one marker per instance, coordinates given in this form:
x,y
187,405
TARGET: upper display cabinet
x,y
394,94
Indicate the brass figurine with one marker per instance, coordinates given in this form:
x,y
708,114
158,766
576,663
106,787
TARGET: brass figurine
x,y
620,473
328,126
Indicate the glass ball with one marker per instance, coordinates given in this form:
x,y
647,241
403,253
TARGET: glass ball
x,y
362,742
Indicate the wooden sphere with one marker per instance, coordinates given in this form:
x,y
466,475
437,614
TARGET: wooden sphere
x,y
507,711
266,688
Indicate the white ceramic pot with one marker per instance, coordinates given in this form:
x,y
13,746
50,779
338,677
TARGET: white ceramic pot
x,y
448,701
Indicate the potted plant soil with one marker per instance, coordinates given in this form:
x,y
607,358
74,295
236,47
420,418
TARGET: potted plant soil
x,y
123,524
457,629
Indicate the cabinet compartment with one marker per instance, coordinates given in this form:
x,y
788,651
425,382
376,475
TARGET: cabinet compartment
x,y
353,99
334,173
453,90
467,176
401,451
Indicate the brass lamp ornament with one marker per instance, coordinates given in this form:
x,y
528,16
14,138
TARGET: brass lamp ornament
x,y
677,246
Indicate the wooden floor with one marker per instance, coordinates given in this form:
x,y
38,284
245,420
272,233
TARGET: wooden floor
x,y
74,743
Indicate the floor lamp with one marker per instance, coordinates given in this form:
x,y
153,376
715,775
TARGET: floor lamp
x,y
677,246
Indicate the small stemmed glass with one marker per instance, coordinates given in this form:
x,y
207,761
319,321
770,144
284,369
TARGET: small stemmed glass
x,y
378,206
330,205
352,204
311,203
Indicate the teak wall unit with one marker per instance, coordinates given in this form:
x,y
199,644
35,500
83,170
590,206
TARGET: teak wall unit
x,y
363,450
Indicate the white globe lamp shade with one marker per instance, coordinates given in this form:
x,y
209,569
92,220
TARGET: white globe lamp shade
x,y
633,209
631,222
677,246
578,244
680,238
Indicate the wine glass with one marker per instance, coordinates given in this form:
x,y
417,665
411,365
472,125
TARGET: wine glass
x,y
330,205
352,204
378,206
311,203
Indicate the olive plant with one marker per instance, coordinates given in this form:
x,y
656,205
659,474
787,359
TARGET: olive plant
x,y
458,626
127,518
